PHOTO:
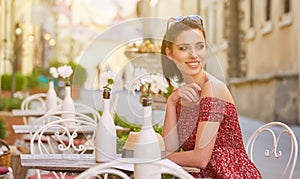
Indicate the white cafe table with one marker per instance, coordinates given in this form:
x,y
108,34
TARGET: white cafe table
x,y
36,113
80,162
58,162
26,113
27,129
79,107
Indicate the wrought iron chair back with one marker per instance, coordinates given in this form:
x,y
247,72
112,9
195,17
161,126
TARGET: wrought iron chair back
x,y
102,171
52,134
274,150
82,108
52,124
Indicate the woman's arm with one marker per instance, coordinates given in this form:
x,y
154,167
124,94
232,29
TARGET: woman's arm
x,y
188,92
170,134
205,136
201,154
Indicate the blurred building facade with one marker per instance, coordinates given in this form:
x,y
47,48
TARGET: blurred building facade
x,y
258,42
272,58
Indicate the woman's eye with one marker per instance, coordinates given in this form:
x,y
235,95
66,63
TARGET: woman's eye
x,y
200,46
182,48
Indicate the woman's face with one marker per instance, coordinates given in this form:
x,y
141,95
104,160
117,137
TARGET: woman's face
x,y
189,52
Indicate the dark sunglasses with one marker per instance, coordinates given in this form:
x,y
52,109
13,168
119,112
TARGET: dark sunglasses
x,y
176,19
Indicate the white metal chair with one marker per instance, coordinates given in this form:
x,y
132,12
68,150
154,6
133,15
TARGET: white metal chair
x,y
84,109
60,137
287,160
53,123
174,171
37,102
102,170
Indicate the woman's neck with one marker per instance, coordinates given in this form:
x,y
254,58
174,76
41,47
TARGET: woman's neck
x,y
199,79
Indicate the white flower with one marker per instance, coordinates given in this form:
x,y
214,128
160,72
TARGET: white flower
x,y
158,83
65,71
20,95
108,79
53,72
139,72
152,83
140,78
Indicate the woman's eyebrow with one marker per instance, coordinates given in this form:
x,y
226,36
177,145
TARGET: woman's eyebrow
x,y
186,44
183,44
201,42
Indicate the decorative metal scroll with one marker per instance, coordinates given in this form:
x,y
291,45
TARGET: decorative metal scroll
x,y
52,130
274,151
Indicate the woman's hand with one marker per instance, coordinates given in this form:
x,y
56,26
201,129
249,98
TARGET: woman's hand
x,y
188,92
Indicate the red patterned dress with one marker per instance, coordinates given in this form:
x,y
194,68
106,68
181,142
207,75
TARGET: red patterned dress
x,y
229,158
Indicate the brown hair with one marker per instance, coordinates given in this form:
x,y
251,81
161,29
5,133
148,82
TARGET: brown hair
x,y
170,69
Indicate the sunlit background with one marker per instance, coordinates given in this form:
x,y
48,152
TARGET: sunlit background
x,y
257,43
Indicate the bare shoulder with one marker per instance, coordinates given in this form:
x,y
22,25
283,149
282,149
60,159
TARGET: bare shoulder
x,y
217,89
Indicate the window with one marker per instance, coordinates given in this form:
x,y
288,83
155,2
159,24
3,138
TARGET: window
x,y
225,19
268,10
251,14
267,26
285,18
215,24
287,6
207,21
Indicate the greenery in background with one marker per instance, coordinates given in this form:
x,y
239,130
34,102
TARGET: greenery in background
x,y
21,82
40,77
2,129
9,103
122,136
79,75
121,121
34,78
170,90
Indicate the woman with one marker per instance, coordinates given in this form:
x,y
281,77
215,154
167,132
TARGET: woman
x,y
201,118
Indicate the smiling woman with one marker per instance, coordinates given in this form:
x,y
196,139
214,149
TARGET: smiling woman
x,y
201,127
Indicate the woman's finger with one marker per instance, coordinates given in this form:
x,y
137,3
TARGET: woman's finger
x,y
189,93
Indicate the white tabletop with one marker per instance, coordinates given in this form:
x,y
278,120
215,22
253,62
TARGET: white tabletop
x,y
27,129
20,112
77,162
36,113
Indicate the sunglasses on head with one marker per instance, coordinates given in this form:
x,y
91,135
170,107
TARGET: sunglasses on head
x,y
175,19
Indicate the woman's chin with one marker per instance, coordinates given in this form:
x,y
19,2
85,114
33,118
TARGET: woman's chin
x,y
193,72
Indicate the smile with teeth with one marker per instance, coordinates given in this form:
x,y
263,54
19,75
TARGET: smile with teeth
x,y
193,63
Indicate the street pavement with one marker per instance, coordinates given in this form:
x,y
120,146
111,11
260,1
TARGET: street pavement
x,y
128,106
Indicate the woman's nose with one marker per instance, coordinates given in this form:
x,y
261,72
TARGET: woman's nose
x,y
193,53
